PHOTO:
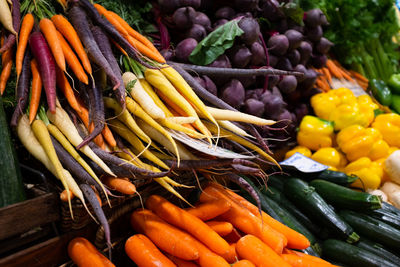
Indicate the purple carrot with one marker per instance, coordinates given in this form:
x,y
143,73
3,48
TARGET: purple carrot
x,y
98,211
16,17
22,89
206,164
79,20
241,169
105,48
111,31
97,108
47,67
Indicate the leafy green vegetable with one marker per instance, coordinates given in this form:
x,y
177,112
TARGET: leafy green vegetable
x,y
294,11
215,44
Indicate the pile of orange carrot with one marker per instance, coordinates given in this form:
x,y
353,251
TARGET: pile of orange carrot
x,y
222,229
333,69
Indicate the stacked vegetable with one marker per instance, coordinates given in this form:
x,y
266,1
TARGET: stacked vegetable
x,y
248,34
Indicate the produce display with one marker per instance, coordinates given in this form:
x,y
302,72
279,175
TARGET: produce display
x,y
204,133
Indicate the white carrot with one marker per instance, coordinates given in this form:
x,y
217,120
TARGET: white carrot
x,y
230,115
233,128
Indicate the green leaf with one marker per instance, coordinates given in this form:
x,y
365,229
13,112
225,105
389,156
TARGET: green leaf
x,y
294,11
215,44
130,85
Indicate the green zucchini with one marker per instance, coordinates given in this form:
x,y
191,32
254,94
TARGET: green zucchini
x,y
11,187
377,249
277,181
280,198
313,205
336,177
386,217
343,197
390,208
373,229
350,255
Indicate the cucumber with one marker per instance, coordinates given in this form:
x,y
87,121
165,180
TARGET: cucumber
x,y
280,198
312,252
313,205
290,221
350,255
11,187
390,208
377,249
343,197
336,177
386,217
373,229
277,181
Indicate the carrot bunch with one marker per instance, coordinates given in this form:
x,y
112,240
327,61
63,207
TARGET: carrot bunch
x,y
332,70
208,234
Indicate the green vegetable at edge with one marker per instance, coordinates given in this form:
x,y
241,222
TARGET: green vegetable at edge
x,y
394,83
396,103
381,92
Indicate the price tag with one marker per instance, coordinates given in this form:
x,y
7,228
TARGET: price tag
x,y
304,164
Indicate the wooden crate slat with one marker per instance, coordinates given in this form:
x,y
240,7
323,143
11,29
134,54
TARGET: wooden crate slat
x,y
23,216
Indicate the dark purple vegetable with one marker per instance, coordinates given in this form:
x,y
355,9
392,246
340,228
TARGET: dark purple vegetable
x,y
225,12
294,38
315,33
16,19
233,93
240,56
206,164
271,10
305,50
258,54
300,68
288,84
168,54
273,60
278,44
210,85
221,62
284,64
185,48
282,26
301,111
275,91
285,116
315,17
22,91
219,22
246,186
247,81
200,81
273,105
294,57
169,6
318,61
183,17
323,45
202,19
273,81
79,20
105,48
295,26
246,5
254,107
250,94
192,3
309,79
251,30
196,32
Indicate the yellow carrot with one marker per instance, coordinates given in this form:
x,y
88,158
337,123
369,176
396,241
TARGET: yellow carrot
x,y
230,115
181,128
233,128
181,120
147,87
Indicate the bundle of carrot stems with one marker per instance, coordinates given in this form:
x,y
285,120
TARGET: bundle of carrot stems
x,y
113,111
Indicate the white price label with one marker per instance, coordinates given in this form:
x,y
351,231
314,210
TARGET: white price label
x,y
303,163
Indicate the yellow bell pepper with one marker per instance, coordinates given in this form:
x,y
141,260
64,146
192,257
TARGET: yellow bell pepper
x,y
345,95
300,149
389,126
323,104
315,133
329,156
356,142
346,115
370,173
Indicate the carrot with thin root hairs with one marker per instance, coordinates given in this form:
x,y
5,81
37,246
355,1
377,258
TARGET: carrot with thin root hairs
x,y
68,31
221,228
119,48
35,92
64,195
72,60
50,33
6,62
121,185
111,19
66,89
145,50
25,31
211,209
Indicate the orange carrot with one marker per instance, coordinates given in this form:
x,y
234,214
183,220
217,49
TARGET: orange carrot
x,y
298,261
165,236
209,210
6,63
301,254
50,33
221,228
294,239
145,50
346,75
134,33
233,236
243,263
72,60
230,256
358,76
186,221
327,74
121,185
108,136
84,254
66,88
66,29
64,195
25,31
36,91
246,221
334,69
98,140
119,48
144,253
181,263
253,249
111,19
208,258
